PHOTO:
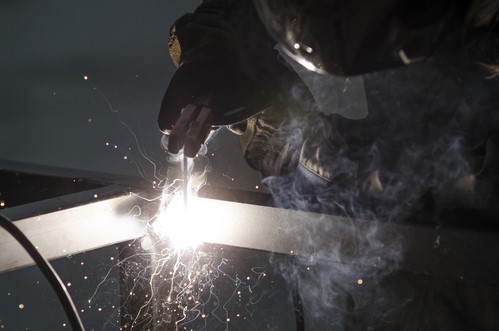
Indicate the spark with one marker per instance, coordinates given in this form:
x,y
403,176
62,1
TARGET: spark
x,y
228,177
179,277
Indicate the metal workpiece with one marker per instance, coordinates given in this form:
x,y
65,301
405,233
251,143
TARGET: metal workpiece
x,y
74,230
445,252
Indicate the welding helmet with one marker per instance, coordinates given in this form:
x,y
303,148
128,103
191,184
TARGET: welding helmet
x,y
350,37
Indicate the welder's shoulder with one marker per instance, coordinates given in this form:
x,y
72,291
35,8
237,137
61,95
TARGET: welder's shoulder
x,y
211,30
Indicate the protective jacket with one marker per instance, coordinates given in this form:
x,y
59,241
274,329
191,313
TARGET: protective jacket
x,y
430,141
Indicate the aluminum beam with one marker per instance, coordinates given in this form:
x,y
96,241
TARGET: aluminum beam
x,y
448,253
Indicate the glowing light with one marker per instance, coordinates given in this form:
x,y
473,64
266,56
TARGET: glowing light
x,y
2,203
360,281
85,77
21,306
125,157
96,196
68,284
185,228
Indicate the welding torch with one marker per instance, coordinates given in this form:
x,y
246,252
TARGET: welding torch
x,y
190,130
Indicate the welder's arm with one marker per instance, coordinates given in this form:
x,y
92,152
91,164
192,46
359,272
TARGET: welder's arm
x,y
227,71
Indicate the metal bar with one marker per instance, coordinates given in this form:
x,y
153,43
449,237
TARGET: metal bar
x,y
440,252
44,170
448,253
70,231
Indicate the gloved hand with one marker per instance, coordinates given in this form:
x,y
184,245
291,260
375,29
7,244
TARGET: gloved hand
x,y
190,130
204,94
226,63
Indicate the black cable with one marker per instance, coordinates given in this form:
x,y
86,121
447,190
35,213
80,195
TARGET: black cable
x,y
47,271
300,321
295,294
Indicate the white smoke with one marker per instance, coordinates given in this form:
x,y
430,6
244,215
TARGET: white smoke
x,y
405,160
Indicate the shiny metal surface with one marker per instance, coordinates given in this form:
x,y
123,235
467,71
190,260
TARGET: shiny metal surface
x,y
70,231
450,253
444,252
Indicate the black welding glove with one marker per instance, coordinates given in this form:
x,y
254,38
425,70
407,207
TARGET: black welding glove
x,y
227,65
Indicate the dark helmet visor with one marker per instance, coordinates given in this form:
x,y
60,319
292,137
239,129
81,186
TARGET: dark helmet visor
x,y
350,37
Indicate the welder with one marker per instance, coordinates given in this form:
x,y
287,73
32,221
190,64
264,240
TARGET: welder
x,y
373,109
420,119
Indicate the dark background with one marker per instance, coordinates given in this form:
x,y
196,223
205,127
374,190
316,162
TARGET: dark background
x,y
50,115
